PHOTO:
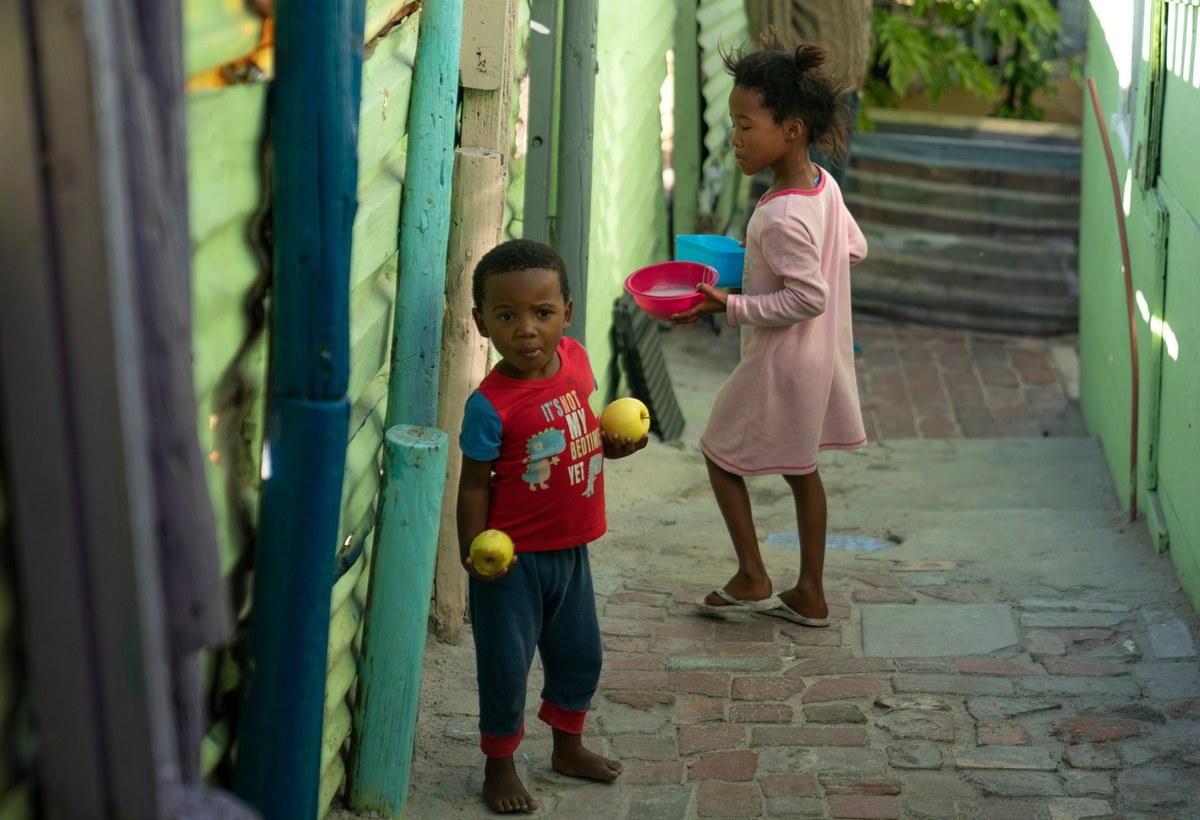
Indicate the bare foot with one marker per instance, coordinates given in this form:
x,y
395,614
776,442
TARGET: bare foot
x,y
742,588
571,758
503,790
805,605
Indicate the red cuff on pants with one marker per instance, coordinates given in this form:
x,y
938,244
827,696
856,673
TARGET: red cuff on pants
x,y
497,746
568,720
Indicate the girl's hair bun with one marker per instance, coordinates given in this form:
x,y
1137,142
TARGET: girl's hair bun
x,y
810,55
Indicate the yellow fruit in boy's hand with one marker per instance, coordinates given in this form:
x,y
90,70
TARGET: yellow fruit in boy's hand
x,y
625,418
491,551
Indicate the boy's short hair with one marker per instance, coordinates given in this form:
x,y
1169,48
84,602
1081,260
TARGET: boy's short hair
x,y
518,254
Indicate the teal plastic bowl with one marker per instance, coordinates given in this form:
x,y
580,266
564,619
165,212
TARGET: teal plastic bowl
x,y
724,253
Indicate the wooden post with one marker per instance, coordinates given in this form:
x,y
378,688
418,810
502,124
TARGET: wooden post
x,y
476,226
415,461
397,616
425,218
543,92
318,49
573,201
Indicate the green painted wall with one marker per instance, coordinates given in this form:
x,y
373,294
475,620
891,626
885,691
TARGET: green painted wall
x,y
630,227
1162,210
628,210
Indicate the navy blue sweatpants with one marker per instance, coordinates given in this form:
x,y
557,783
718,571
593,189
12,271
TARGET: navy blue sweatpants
x,y
545,602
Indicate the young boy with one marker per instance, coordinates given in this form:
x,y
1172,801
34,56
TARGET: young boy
x,y
532,460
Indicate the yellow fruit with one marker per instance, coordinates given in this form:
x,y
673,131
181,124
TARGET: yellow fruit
x,y
625,418
491,551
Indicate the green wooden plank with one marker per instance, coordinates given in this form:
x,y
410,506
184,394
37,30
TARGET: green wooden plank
x,y
393,642
377,222
371,326
380,13
225,132
386,90
363,454
223,270
217,32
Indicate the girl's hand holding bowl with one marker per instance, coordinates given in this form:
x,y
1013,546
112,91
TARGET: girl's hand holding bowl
x,y
667,288
714,302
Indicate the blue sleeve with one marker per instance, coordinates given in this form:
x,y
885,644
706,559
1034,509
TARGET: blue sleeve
x,y
480,436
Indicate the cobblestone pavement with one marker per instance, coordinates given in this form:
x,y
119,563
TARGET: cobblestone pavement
x,y
925,382
1014,649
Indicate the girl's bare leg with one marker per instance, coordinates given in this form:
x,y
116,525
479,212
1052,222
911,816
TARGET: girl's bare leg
x,y
750,582
808,595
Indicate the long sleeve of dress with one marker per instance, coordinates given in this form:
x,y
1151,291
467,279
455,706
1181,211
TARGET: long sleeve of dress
x,y
856,241
792,253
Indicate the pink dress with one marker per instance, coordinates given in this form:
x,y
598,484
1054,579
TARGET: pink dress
x,y
794,392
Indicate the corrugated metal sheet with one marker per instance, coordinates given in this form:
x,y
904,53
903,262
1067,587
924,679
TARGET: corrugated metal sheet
x,y
230,270
217,32
723,26
16,754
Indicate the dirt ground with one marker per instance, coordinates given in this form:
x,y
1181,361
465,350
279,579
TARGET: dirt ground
x,y
663,523
666,541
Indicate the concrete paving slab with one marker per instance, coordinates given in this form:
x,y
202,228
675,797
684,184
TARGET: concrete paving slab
x,y
903,631
1169,637
990,474
1076,555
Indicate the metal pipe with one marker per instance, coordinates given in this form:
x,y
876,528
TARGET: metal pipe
x,y
1129,308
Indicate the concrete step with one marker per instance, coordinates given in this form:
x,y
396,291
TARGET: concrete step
x,y
971,150
971,221
923,303
1039,258
945,217
1013,179
981,201
879,285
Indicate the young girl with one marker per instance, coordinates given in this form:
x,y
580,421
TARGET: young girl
x,y
794,391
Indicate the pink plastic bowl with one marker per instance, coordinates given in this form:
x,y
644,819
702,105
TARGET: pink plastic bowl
x,y
669,287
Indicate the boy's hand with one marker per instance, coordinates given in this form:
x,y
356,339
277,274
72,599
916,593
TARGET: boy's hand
x,y
619,448
714,302
487,579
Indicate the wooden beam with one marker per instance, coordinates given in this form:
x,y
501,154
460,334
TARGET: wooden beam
x,y
476,226
573,205
543,95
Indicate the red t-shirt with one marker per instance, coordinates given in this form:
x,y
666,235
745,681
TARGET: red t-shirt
x,y
547,455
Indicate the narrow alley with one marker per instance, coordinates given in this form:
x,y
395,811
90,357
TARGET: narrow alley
x,y
1006,644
